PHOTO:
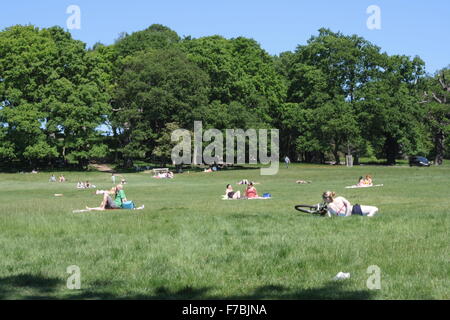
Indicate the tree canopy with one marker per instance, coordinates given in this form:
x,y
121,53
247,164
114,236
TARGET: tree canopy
x,y
337,94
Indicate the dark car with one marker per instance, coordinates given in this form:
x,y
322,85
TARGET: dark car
x,y
419,161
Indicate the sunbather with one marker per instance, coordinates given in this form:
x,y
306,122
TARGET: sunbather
x,y
302,182
108,203
251,192
339,206
368,181
232,194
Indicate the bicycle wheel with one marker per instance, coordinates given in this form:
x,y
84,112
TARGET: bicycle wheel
x,y
307,208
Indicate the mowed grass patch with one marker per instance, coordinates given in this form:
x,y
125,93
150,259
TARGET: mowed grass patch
x,y
189,244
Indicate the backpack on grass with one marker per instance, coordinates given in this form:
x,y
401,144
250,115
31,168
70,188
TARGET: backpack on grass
x,y
128,205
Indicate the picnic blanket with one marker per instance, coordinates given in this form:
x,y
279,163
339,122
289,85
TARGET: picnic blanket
x,y
224,197
356,186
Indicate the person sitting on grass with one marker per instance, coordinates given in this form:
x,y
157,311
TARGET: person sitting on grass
x,y
361,182
230,194
251,192
368,181
339,206
108,203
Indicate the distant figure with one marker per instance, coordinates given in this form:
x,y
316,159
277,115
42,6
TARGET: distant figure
x,y
287,161
52,178
87,185
365,182
368,181
244,181
302,182
113,178
62,179
161,175
361,182
123,181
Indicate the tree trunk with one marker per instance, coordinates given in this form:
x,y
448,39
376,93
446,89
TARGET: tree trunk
x,y
356,160
336,155
391,149
439,147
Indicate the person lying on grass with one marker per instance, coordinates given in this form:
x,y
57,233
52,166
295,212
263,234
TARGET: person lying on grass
x,y
230,194
365,182
108,203
361,182
166,175
339,206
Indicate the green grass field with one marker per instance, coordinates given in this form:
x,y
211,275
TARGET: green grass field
x,y
189,244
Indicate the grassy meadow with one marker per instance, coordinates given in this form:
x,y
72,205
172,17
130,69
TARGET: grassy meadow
x,y
189,244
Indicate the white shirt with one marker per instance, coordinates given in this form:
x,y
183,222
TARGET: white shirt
x,y
340,207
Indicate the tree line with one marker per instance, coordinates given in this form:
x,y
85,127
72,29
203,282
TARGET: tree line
x,y
64,103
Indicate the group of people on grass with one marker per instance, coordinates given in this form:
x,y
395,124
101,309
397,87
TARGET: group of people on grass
x,y
164,175
249,193
365,181
336,205
339,206
60,179
85,185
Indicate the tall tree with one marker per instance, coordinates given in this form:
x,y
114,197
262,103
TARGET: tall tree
x,y
389,108
155,88
52,97
437,99
240,71
324,76
154,37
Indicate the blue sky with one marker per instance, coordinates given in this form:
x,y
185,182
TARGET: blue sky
x,y
407,27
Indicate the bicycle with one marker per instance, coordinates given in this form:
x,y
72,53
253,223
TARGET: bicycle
x,y
318,209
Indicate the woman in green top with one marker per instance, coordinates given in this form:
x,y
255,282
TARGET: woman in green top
x,y
120,196
108,201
